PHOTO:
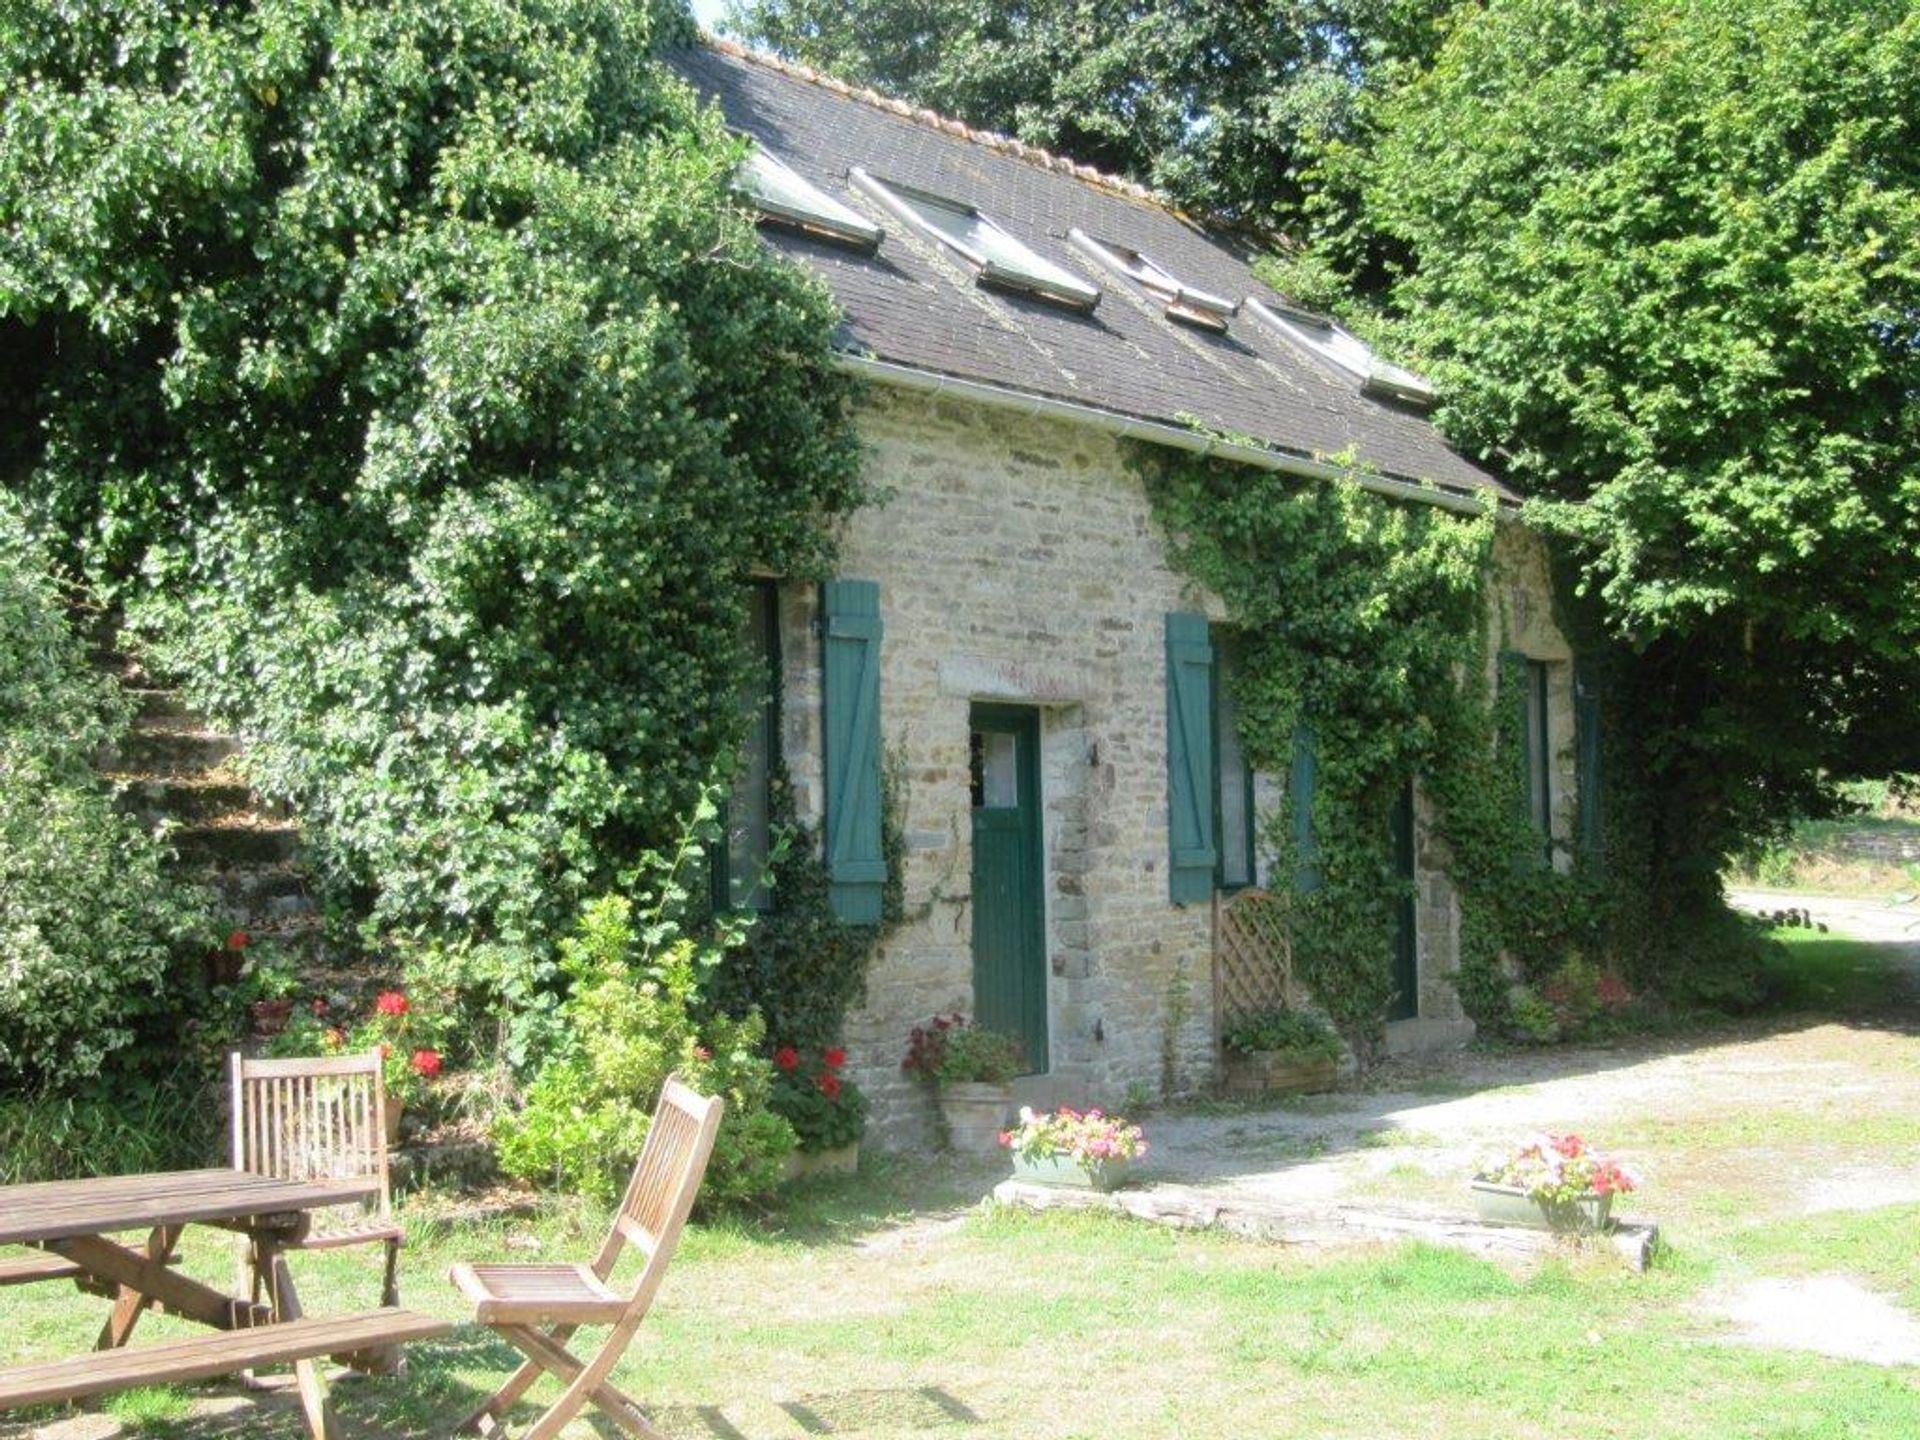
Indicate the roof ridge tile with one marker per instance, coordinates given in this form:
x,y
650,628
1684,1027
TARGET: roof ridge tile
x,y
945,124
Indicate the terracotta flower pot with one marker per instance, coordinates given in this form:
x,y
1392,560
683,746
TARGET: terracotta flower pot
x,y
976,1114
394,1111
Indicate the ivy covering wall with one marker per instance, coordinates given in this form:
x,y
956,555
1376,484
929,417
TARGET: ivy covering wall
x,y
410,376
1362,639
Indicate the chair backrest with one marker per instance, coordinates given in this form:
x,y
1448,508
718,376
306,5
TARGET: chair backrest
x,y
322,1118
659,1197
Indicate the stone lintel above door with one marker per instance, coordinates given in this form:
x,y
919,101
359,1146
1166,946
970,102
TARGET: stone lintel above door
x,y
973,677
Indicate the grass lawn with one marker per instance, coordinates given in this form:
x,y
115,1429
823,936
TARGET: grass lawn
x,y
888,1306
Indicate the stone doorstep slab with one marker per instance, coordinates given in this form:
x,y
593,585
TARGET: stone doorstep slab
x,y
1188,1208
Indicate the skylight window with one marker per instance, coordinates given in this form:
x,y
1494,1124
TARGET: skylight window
x,y
996,257
783,197
1195,307
1321,336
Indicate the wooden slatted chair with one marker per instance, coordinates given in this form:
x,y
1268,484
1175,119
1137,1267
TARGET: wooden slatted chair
x,y
320,1119
538,1307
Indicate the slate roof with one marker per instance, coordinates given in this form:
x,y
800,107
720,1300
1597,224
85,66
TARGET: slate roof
x,y
915,304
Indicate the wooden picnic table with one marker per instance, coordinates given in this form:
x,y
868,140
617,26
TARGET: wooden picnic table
x,y
74,1222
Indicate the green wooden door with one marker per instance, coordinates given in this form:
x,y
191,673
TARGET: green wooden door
x,y
1009,941
1406,961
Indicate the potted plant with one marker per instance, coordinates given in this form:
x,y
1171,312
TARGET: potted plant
x,y
826,1109
1280,1052
268,982
1551,1182
972,1069
1072,1147
394,1028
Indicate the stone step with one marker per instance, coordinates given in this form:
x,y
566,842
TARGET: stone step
x,y
127,669
230,845
146,753
188,799
155,709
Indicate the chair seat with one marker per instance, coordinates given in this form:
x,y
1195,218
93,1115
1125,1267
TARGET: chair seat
x,y
371,1233
525,1294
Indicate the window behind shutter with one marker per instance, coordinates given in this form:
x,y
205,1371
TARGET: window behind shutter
x,y
1191,854
1586,720
1300,788
850,700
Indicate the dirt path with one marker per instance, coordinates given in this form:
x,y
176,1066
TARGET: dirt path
x,y
1768,1121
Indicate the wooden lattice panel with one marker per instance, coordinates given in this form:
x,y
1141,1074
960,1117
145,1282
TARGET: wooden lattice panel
x,y
1252,962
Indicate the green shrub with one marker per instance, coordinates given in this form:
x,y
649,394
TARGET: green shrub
x,y
631,1017
1291,1031
800,965
132,1125
90,918
415,374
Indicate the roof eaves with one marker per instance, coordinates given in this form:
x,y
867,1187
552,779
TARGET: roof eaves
x,y
1264,457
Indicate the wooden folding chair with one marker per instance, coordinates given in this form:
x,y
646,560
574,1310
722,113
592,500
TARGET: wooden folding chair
x,y
320,1119
538,1307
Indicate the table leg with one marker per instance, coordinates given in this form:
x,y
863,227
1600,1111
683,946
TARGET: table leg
x,y
132,1302
306,1373
146,1279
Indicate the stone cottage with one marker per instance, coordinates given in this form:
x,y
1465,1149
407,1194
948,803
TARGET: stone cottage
x,y
1010,643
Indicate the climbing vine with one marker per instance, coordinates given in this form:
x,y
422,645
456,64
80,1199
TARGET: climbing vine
x,y
1360,633
410,376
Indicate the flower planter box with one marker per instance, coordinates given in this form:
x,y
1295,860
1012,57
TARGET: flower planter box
x,y
805,1164
1065,1171
976,1113
1507,1205
1276,1072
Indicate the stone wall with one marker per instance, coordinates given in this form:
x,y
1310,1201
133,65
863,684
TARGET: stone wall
x,y
1019,562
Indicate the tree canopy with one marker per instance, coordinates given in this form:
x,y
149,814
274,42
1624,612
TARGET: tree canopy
x,y
410,376
1217,103
1669,267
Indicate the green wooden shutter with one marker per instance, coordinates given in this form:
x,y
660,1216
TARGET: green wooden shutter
x,y
1586,720
1300,788
1191,856
850,702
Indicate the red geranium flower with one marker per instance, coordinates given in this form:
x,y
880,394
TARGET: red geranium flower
x,y
787,1058
391,1002
426,1063
830,1085
239,940
835,1058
